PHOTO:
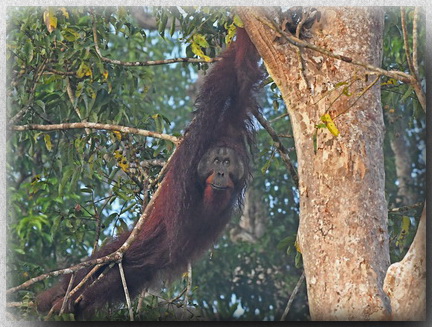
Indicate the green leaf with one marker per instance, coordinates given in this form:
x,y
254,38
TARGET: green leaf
x,y
28,50
48,144
67,174
70,34
173,26
200,40
284,243
41,104
298,261
83,70
162,24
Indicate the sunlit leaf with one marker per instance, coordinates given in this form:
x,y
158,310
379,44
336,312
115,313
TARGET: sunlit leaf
x,y
330,124
50,20
237,21
48,144
70,34
83,70
196,49
405,226
64,12
200,40
231,31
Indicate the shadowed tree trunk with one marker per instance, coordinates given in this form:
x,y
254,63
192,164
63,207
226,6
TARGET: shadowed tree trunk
x,y
343,220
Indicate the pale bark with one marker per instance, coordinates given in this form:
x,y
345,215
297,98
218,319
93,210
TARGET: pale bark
x,y
405,282
343,212
251,226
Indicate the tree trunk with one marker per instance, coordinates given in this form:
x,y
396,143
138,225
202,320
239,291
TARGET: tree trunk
x,y
403,162
405,282
343,212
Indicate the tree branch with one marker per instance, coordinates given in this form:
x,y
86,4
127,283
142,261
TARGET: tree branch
x,y
293,295
126,291
120,128
279,146
407,208
398,75
188,286
415,80
415,41
109,258
59,72
405,40
67,295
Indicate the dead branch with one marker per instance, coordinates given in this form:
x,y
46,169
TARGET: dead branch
x,y
293,295
123,129
126,291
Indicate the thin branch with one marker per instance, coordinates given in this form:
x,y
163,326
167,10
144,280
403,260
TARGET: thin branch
x,y
120,128
293,294
278,117
98,223
352,80
59,72
407,208
144,63
140,301
72,99
406,78
109,258
405,40
67,295
126,291
415,81
85,279
415,41
177,297
287,136
188,285
161,173
367,88
398,75
302,65
278,144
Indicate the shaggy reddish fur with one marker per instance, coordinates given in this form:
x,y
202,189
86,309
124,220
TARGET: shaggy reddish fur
x,y
180,226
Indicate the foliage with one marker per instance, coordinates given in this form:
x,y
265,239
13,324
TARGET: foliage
x,y
70,190
404,119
